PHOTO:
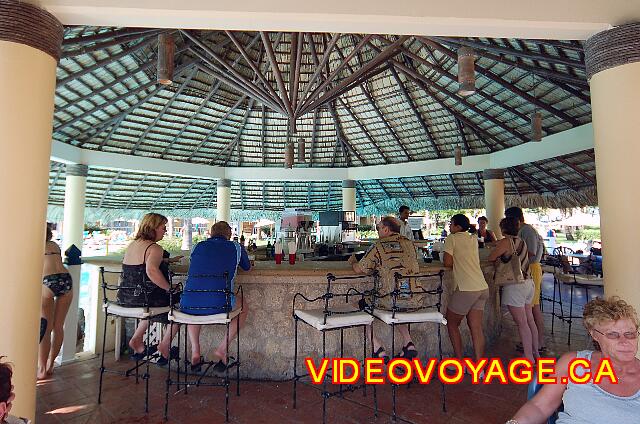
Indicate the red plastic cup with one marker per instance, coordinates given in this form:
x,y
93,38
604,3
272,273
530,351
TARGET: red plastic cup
x,y
292,258
278,258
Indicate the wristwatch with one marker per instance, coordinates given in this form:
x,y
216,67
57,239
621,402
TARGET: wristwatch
x,y
512,421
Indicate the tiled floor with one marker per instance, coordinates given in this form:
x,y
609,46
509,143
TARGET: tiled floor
x,y
71,396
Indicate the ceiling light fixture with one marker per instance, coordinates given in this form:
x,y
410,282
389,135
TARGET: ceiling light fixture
x,y
466,71
166,53
458,155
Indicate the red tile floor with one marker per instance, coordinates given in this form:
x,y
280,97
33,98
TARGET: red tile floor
x,y
71,395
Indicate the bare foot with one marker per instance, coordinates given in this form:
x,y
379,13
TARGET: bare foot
x,y
42,375
136,347
164,350
222,356
50,371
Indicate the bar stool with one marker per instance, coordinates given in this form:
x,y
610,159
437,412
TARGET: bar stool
x,y
583,281
147,313
559,262
428,312
330,318
181,317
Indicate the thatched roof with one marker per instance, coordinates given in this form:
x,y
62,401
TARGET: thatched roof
x,y
393,100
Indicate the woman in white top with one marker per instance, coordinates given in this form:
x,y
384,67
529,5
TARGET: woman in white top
x,y
613,325
471,290
518,297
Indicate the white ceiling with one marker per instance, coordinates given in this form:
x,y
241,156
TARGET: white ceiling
x,y
550,19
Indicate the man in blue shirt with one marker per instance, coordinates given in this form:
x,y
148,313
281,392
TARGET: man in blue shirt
x,y
210,259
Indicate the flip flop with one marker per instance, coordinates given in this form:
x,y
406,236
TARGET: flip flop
x,y
408,353
147,351
174,355
197,367
221,367
377,353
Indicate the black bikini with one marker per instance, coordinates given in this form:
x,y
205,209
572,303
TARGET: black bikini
x,y
59,284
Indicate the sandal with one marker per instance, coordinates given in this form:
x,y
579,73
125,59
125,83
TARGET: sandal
x,y
377,353
174,355
197,367
408,353
221,367
147,351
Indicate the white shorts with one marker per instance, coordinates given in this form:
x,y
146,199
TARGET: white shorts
x,y
518,295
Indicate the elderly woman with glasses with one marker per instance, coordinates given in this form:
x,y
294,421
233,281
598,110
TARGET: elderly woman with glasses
x,y
613,325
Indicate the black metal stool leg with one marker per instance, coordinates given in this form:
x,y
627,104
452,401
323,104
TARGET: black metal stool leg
x,y
553,302
394,417
341,351
104,341
238,356
184,361
146,375
364,355
226,381
168,382
324,380
570,314
375,391
444,404
295,361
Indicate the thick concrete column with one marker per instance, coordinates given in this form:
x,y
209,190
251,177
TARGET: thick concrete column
x,y
30,41
494,198
223,200
613,67
72,234
348,195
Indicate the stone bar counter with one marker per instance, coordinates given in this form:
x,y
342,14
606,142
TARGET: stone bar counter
x,y
267,340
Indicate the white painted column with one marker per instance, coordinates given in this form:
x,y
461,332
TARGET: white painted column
x,y
29,51
187,235
72,234
223,200
348,195
613,63
494,198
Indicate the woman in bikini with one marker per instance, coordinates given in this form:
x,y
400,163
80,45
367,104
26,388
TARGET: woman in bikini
x,y
56,299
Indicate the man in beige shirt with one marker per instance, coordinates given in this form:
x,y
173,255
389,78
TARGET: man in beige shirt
x,y
390,254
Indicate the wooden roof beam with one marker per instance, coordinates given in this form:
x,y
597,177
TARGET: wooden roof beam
x,y
364,130
318,64
465,100
255,67
134,195
542,72
513,52
106,44
216,126
577,169
416,113
276,71
148,128
503,82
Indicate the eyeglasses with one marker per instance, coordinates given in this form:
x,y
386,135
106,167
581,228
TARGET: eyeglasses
x,y
614,335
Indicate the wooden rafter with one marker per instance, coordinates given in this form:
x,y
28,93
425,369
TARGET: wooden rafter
x,y
364,130
504,83
216,126
159,115
416,113
276,71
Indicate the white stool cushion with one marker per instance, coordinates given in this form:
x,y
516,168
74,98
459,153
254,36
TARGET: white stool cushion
x,y
417,316
590,280
135,312
315,318
183,318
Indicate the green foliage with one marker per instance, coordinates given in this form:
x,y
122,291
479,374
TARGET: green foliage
x,y
588,234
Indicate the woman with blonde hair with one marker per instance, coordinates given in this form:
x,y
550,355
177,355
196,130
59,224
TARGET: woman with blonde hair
x,y
57,294
145,283
613,325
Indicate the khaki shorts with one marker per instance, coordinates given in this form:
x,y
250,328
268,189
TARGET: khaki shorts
x,y
461,302
536,273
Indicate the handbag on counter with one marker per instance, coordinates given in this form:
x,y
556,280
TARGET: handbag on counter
x,y
510,272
